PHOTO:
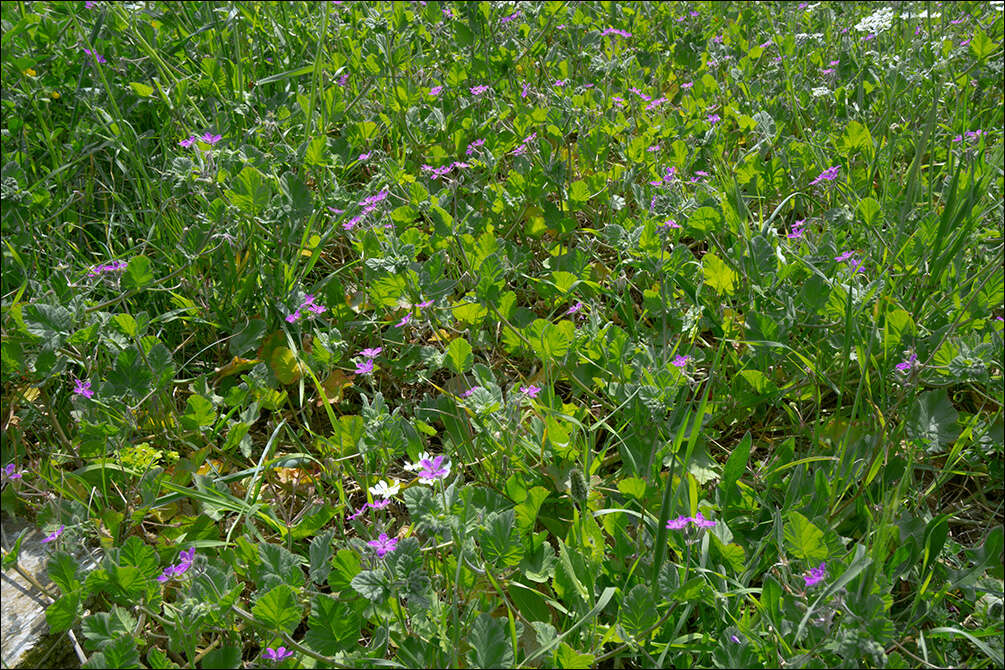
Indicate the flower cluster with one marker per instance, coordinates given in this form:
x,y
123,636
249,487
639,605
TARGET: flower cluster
x,y
830,174
682,522
522,149
507,19
277,655
384,491
114,266
669,175
474,146
614,31
680,362
478,90
876,22
309,305
444,170
816,575
369,204
430,469
797,230
972,135
180,568
853,263
470,392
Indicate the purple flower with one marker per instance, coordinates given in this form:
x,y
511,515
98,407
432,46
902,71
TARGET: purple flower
x,y
560,83
9,472
526,89
654,148
186,143
90,4
379,504
713,118
507,19
531,390
702,522
766,44
856,265
478,90
435,91
52,536
845,256
474,145
424,304
210,138
679,523
187,556
363,157
575,308
668,224
816,575
292,318
343,80
276,655
404,320
429,470
687,85
364,367
797,230
908,364
680,361
98,57
371,352
383,544
83,387
735,639
316,309
830,174
466,394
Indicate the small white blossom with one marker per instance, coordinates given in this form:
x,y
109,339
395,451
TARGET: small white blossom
x,y
820,91
412,467
385,490
876,22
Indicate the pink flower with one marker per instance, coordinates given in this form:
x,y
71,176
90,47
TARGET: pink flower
x,y
364,367
186,143
830,174
478,90
277,655
531,390
52,536
292,318
83,387
210,138
10,473
383,544
702,522
680,361
678,523
466,394
845,256
363,157
575,308
424,304
816,575
404,320
435,91
371,353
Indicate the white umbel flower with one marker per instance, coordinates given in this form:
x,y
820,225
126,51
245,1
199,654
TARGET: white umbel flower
x,y
876,22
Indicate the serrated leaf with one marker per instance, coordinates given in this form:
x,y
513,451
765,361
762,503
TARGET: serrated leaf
x,y
498,540
321,551
371,584
61,614
932,421
278,609
638,610
333,626
62,569
718,275
567,657
458,356
284,365
805,540
250,191
199,413
490,647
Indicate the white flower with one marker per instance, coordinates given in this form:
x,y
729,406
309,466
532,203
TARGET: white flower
x,y
385,490
820,91
876,22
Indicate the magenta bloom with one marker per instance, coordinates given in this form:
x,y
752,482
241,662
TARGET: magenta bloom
x,y
383,544
276,655
9,472
687,85
830,174
435,91
531,390
702,522
713,118
364,367
98,57
474,145
210,138
526,89
797,230
816,575
478,90
424,304
83,387
292,318
186,143
343,80
363,157
507,19
679,523
845,256
316,308
371,353
432,469
52,536
669,223
575,308
466,394
404,321
680,361
908,364
380,503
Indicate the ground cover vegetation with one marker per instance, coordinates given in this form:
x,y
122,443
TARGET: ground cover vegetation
x,y
508,334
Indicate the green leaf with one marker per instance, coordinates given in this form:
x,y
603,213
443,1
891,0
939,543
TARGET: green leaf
x,y
228,656
371,584
321,552
633,486
250,191
579,192
345,567
499,542
62,569
278,609
856,136
61,614
704,220
142,90
489,646
932,421
334,626
122,653
735,466
138,273
718,275
551,342
982,46
158,660
805,540
870,209
200,412
104,628
10,558
459,358
638,610
567,657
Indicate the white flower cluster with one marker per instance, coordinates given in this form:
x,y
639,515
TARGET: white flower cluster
x,y
876,22
998,5
923,14
820,91
801,38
